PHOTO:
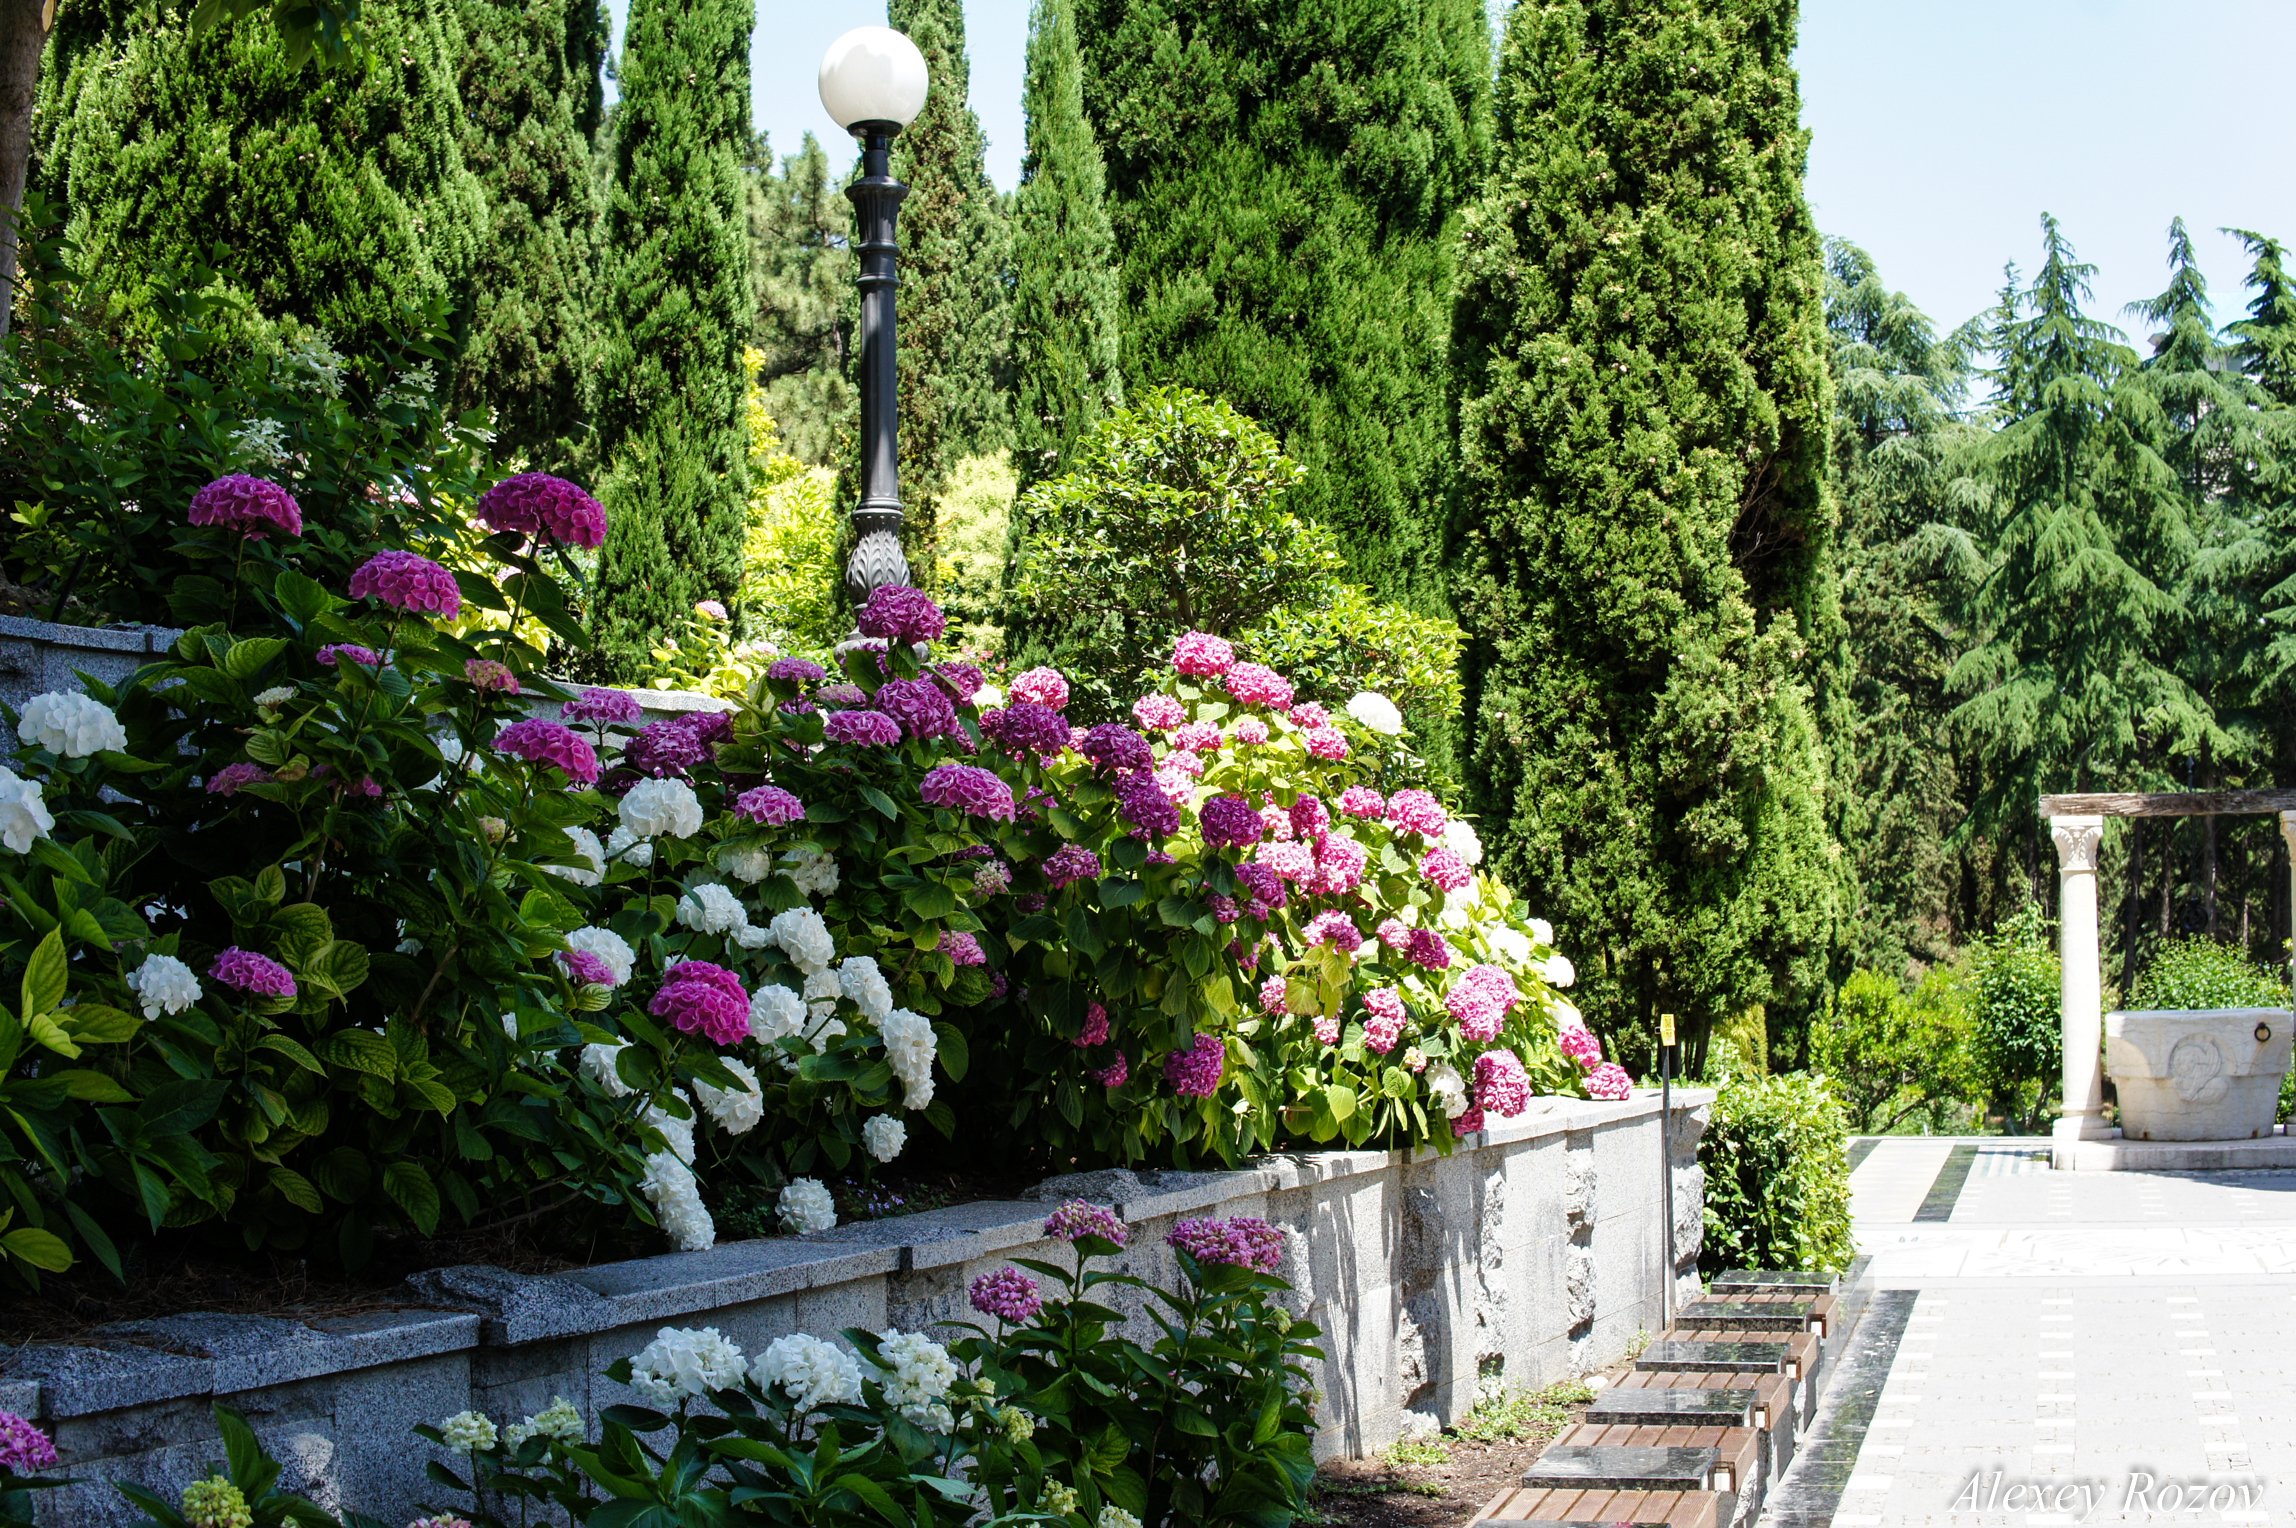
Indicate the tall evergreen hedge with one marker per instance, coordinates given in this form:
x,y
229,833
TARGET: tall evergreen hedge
x,y
1645,516
672,386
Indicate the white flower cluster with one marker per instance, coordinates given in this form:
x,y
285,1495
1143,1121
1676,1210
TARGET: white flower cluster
x,y
275,697
609,947
683,1364
657,807
590,851
558,1421
1375,711
748,866
598,1065
775,1013
1460,835
863,981
467,1430
676,1130
70,725
918,1374
1115,1517
806,1207
736,1111
910,1046
811,1371
669,1185
712,909
628,847
163,984
883,1136
822,989
814,870
804,938
1448,1088
1560,972
263,442
23,815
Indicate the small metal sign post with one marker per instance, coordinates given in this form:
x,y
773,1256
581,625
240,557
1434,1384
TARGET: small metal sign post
x,y
1666,1154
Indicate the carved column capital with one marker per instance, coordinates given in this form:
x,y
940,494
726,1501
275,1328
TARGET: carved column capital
x,y
2077,839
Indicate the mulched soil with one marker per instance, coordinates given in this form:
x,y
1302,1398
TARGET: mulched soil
x,y
1379,1493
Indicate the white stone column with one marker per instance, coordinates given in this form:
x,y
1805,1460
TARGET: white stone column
x,y
2288,832
2081,996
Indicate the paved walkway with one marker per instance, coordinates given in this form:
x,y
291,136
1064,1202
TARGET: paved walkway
x,y
2057,1348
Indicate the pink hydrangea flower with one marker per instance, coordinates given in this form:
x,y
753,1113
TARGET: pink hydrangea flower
x,y
701,998
1041,687
1078,1219
1327,1030
711,610
24,1449
1158,713
1327,743
1070,863
1308,714
408,583
603,707
1383,1019
1095,1030
1229,822
968,789
536,501
1199,737
898,613
586,968
1277,823
1189,764
1361,801
769,805
252,506
1244,1242
1007,1294
1251,732
1501,1085
796,671
1255,684
1609,1083
1201,655
1115,1074
1293,861
922,707
1339,866
1263,885
1178,786
227,780
249,972
336,652
1336,929
1417,811
962,948
489,677
863,729
1394,933
1480,1000
546,742
1196,1071
1427,948
1309,816
1580,1044
1470,1120
1273,992
1445,870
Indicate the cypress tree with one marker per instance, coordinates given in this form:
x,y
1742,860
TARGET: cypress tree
x,y
1281,178
533,91
672,386
956,244
801,254
330,198
1065,291
1644,422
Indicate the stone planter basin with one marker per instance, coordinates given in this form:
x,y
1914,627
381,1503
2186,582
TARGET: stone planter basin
x,y
2197,1075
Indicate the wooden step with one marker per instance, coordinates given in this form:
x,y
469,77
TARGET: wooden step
x,y
1602,1509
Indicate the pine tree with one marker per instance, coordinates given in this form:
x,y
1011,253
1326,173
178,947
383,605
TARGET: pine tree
x,y
1282,176
801,254
956,244
2265,341
1066,326
532,93
1645,515
672,419
331,199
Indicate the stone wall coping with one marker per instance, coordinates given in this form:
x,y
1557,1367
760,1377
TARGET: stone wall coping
x,y
463,1307
116,639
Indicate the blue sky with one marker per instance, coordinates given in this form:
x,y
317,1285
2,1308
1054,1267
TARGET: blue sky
x,y
1942,129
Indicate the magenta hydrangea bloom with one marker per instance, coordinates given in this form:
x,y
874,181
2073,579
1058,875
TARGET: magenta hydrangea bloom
x,y
796,671
1078,1219
252,506
700,998
1201,655
536,501
602,707
1326,1030
1114,746
1336,929
921,707
24,1449
1609,1083
489,677
1580,1044
1428,948
587,968
1327,743
1255,684
1395,934
1026,729
1445,870
866,729
1309,816
1251,732
1277,821
546,742
1383,1019
1143,803
408,583
1071,863
338,652
1308,714
1095,1030
1339,866
1384,1003
1199,737
1229,822
227,780
843,693
249,972
1196,1071
1480,1000
898,613
1007,1294
962,948
1468,1121
1263,884
1362,801
1293,861
966,788
665,750
1501,1086
1158,713
1045,687
1244,1242
769,805
1273,993
1417,811
1115,1074
965,680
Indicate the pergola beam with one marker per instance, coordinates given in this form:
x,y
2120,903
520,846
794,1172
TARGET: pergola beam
x,y
2170,804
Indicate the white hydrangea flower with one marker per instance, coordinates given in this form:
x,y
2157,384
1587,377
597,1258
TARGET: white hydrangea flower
x,y
559,1421
163,984
655,808
1564,1012
712,909
1560,971
822,1030
277,695
775,1013
910,1046
812,1372
814,870
1115,1517
822,990
804,938
1542,932
609,947
863,981
598,1066
1460,834
1375,711
684,1364
669,1185
629,848
590,852
1448,1088
883,1136
748,866
805,1206
676,1131
919,1374
753,936
1512,943
467,1430
24,815
987,698
735,1110
71,725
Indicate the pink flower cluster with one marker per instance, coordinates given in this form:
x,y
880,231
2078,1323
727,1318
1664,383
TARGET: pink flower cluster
x,y
1158,713
1114,746
603,707
1427,948
250,972
1293,861
898,613
1026,729
1327,743
1143,802
796,671
1383,1018
1609,1083
1199,737
700,998
1196,1071
252,506
1264,886
489,677
1095,1030
1336,929
1327,1030
1078,1219
670,748
1309,816
335,652
1339,866
1007,1294
1579,1043
769,805
1445,870
546,742
1273,994
1417,811
963,949
405,582
227,780
969,789
24,1449
1501,1085
1308,714
1480,1000
1071,863
965,680
1041,687
536,501
1244,1242
865,729
1115,1074
922,707
1255,684
1229,822
1251,732
1200,655
586,968
1361,801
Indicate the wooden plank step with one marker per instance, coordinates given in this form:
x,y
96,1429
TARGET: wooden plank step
x,y
1603,1509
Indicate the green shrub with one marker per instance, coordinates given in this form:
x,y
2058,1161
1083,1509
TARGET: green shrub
x,y
1891,1054
1777,1177
2016,1037
2207,973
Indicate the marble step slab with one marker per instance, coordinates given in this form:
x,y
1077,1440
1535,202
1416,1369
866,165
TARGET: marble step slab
x,y
1625,1469
1661,1408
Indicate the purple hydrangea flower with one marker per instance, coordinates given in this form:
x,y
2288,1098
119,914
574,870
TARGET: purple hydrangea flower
x,y
700,998
842,693
253,506
770,805
1264,885
1007,1294
965,679
227,780
24,1449
867,729
968,789
536,501
1070,863
546,742
587,968
335,652
1243,1242
1230,822
1142,802
667,749
1025,728
409,583
603,707
1196,1071
898,613
1114,746
796,671
1077,1219
250,972
921,707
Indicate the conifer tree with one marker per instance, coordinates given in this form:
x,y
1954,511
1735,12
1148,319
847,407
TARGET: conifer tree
x,y
801,253
2265,341
672,424
1645,420
1282,175
533,91
1065,291
956,245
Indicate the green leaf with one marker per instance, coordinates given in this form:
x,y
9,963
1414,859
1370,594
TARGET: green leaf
x,y
1340,1099
281,1045
296,1189
410,1188
343,1174
360,1050
91,1087
96,1024
270,886
44,1250
955,1055
44,1028
302,597
881,802
930,901
45,975
252,655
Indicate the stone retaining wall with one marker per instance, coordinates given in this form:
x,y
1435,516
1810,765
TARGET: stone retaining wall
x,y
1530,1257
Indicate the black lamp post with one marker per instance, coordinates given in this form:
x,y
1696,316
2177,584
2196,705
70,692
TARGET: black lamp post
x,y
873,82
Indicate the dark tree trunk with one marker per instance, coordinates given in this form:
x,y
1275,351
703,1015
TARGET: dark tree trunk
x,y
24,28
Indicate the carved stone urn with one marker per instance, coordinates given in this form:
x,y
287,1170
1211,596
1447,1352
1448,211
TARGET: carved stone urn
x,y
2197,1075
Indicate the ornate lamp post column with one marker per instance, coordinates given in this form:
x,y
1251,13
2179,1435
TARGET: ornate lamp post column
x,y
873,83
